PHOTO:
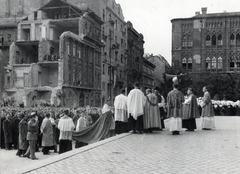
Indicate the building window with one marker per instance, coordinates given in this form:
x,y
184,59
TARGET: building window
x,y
238,62
109,70
190,41
232,63
214,63
1,39
219,63
220,41
238,40
208,41
103,14
184,41
79,54
9,38
184,63
176,64
208,63
120,74
68,48
232,40
103,68
121,58
214,40
74,50
190,63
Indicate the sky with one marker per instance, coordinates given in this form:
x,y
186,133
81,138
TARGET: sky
x,y
153,18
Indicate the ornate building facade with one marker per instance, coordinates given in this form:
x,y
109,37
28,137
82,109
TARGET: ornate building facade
x,y
207,43
57,57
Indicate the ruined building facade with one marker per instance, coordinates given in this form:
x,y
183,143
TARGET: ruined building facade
x,y
57,57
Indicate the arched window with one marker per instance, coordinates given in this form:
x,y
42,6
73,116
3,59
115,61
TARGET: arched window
x,y
208,63
184,41
190,63
214,40
190,41
208,40
184,63
232,40
219,63
214,63
220,41
238,40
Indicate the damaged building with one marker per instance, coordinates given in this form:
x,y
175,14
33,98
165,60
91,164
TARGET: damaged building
x,y
57,57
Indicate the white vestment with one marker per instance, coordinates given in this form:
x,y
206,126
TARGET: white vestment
x,y
120,107
135,103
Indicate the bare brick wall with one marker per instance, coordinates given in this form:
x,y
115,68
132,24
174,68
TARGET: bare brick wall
x,y
15,6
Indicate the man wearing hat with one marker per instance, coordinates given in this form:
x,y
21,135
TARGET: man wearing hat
x,y
32,135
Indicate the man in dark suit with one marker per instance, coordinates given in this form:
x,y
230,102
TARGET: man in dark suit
x,y
7,130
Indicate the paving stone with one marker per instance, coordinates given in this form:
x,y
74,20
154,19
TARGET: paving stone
x,y
199,152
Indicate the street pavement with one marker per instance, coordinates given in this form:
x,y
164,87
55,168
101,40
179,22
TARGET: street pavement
x,y
200,152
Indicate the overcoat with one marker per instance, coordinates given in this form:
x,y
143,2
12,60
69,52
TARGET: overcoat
x,y
47,132
8,131
23,128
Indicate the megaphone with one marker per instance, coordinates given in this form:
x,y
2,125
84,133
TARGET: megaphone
x,y
168,76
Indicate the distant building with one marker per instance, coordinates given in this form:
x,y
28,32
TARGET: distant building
x,y
161,67
57,57
114,37
148,74
135,53
206,43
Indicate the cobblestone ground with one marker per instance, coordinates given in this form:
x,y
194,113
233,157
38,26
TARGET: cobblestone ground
x,y
199,152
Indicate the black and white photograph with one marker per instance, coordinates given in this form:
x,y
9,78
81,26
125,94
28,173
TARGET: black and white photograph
x,y
119,87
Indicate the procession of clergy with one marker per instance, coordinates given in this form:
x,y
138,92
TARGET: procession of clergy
x,y
145,113
136,112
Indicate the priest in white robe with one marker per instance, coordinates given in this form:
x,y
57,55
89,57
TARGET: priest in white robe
x,y
135,104
120,112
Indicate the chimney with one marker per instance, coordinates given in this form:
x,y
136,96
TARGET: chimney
x,y
197,13
7,8
204,10
20,8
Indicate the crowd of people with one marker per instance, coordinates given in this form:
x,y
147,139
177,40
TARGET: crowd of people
x,y
29,129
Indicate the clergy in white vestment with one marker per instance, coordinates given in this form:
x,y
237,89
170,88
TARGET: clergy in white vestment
x,y
135,105
66,126
120,112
